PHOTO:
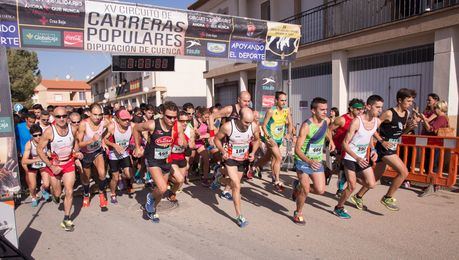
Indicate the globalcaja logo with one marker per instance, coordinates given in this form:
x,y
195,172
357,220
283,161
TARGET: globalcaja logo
x,y
41,37
5,125
73,39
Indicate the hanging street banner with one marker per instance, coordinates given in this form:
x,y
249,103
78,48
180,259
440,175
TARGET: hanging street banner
x,y
125,28
269,79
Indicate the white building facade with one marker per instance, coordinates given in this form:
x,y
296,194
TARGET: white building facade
x,y
185,84
352,48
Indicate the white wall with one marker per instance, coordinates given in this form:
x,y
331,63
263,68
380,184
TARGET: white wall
x,y
376,81
307,89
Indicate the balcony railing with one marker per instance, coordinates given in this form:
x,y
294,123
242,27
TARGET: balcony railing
x,y
345,16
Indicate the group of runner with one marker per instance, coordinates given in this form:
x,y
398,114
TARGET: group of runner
x,y
223,142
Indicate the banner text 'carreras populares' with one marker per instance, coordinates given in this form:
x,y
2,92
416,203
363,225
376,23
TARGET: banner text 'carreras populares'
x,y
125,28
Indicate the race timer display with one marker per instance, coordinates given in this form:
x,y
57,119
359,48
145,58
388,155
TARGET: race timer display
x,y
143,63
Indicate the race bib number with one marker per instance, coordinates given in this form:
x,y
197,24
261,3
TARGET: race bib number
x,y
240,151
315,151
394,143
178,149
94,146
38,165
361,150
161,154
124,144
278,130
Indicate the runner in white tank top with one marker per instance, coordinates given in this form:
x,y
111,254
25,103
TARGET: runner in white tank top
x,y
89,136
61,168
355,144
33,165
237,156
117,138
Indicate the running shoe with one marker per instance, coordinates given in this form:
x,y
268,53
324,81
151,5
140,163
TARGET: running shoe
x,y
120,184
45,194
113,199
172,197
257,172
86,201
102,201
295,190
153,216
241,221
341,213
338,193
216,182
150,205
56,200
358,202
390,203
250,174
130,191
226,196
67,225
34,203
298,219
279,187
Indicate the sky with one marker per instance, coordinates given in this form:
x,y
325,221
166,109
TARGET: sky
x,y
81,65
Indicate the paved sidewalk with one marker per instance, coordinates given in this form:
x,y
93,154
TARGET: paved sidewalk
x,y
202,227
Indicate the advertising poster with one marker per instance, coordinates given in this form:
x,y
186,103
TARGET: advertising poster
x,y
208,35
51,24
248,40
269,80
9,29
282,41
122,28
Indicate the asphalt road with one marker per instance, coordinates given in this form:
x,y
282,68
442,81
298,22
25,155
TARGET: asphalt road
x,y
202,227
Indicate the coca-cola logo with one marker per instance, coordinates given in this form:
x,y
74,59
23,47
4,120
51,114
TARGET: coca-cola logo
x,y
164,141
73,39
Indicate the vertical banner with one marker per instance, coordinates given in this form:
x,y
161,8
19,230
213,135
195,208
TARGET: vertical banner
x,y
269,80
9,171
9,30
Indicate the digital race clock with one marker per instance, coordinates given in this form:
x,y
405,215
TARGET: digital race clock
x,y
143,63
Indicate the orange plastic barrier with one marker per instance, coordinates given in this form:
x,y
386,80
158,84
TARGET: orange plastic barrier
x,y
417,146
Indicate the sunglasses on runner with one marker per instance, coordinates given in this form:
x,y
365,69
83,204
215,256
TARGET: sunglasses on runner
x,y
171,117
61,116
36,135
76,122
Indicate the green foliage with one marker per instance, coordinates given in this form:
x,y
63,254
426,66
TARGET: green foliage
x,y
24,74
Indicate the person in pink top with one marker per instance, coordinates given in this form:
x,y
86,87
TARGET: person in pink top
x,y
202,135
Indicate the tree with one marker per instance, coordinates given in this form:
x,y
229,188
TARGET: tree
x,y
24,74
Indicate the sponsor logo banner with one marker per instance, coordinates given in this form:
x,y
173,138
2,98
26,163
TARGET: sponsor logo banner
x,y
44,38
195,47
249,30
282,41
244,50
121,28
216,49
209,26
73,39
269,79
60,13
5,125
9,36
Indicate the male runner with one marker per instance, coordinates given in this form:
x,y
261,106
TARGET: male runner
x,y
339,128
44,120
33,166
117,137
274,128
89,136
355,146
394,123
309,155
240,133
61,138
156,152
